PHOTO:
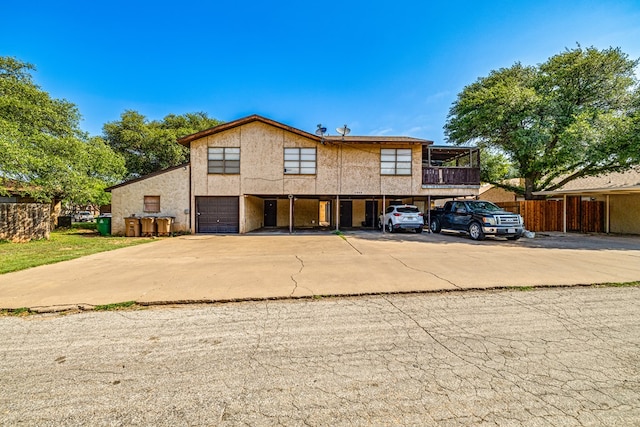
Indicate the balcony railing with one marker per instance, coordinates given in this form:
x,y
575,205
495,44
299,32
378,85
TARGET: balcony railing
x,y
450,176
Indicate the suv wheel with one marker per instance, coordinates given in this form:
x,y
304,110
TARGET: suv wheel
x,y
390,227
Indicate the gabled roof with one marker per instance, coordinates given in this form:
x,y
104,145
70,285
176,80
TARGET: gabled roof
x,y
614,182
150,175
186,140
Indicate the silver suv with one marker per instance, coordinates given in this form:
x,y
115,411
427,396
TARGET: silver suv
x,y
401,217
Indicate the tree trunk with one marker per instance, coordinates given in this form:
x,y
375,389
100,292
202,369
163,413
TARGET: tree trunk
x,y
529,188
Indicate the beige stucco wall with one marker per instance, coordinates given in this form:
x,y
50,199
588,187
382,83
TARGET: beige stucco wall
x,y
344,169
341,169
171,186
306,212
625,213
253,213
283,213
498,195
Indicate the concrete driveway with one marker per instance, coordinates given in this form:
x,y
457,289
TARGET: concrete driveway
x,y
207,268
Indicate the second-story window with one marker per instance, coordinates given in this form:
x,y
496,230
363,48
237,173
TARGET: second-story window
x,y
300,161
395,161
224,160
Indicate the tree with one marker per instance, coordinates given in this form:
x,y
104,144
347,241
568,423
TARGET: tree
x,y
149,146
575,115
42,146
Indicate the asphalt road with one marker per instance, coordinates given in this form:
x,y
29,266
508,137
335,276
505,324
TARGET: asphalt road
x,y
548,357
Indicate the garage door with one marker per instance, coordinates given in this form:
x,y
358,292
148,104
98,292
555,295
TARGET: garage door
x,y
217,215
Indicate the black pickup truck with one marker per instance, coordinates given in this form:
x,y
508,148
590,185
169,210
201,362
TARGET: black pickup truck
x,y
478,218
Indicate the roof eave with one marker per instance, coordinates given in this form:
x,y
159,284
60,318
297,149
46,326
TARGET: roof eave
x,y
186,140
609,190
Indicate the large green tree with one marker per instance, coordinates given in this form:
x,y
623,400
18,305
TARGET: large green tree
x,y
42,149
149,146
575,115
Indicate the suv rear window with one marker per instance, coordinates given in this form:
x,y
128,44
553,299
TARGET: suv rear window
x,y
408,210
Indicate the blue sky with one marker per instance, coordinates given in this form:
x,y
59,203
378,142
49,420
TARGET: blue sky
x,y
381,67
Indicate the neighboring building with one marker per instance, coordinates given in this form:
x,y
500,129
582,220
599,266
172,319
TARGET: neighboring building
x,y
496,194
21,217
163,193
255,172
620,193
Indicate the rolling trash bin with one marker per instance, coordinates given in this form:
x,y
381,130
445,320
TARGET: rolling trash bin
x,y
132,226
103,224
148,226
165,225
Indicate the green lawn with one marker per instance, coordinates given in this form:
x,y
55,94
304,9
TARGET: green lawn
x,y
64,244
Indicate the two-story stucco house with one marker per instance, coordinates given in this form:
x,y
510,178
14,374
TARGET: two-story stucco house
x,y
256,173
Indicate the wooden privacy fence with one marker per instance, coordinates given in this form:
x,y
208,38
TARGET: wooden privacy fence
x,y
584,216
21,222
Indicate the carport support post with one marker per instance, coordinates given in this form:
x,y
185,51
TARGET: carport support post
x,y
429,213
337,212
290,213
383,226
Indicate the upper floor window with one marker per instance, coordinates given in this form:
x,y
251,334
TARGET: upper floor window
x,y
151,204
224,160
300,161
395,161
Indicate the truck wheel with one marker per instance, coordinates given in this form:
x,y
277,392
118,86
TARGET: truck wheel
x,y
475,231
435,226
390,227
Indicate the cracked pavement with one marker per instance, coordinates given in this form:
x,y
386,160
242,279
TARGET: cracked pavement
x,y
547,357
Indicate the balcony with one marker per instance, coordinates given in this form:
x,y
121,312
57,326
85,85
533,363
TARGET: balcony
x,y
450,166
450,176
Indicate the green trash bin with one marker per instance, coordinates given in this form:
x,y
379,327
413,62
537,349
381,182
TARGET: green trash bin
x,y
103,224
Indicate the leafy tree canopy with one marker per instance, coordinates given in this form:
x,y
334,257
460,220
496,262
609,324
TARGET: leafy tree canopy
x,y
149,146
42,147
575,115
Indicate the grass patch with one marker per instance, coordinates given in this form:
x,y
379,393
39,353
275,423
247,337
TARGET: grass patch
x,y
64,244
620,285
115,306
521,288
339,234
21,312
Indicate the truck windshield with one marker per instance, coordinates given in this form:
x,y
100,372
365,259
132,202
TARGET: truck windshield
x,y
483,206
